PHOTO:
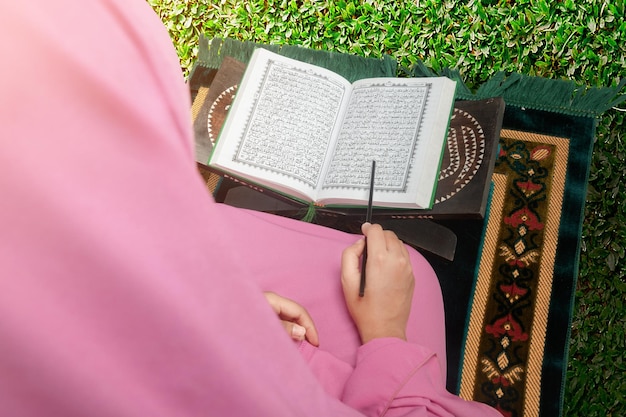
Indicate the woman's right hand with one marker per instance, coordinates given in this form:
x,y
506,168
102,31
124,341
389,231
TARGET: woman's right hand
x,y
384,309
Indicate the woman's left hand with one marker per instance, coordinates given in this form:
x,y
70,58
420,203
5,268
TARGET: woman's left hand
x,y
296,320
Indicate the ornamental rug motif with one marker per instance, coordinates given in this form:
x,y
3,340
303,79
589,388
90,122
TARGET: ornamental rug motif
x,y
506,334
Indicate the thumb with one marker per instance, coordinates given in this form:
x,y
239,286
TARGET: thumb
x,y
294,330
350,272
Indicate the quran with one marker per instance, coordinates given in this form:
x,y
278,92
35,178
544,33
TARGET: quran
x,y
307,133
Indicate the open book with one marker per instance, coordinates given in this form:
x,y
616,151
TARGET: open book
x,y
308,133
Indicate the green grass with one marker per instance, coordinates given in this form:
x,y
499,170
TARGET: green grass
x,y
580,40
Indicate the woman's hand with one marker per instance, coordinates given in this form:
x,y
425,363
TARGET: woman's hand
x,y
296,320
384,309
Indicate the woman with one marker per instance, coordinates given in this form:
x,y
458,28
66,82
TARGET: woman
x,y
126,291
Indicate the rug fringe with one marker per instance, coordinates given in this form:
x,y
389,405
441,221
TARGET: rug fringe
x,y
553,95
351,67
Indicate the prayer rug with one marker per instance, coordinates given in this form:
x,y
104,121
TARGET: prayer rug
x,y
515,337
506,335
509,292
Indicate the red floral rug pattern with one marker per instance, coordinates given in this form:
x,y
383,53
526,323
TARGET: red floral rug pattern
x,y
514,286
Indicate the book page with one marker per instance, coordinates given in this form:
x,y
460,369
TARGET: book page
x,y
381,123
285,120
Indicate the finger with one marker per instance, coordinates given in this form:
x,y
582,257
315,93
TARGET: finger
x,y
311,334
395,246
284,307
290,311
403,250
294,312
392,241
294,330
376,240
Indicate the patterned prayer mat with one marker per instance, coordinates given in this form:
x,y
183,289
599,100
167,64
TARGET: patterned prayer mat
x,y
515,337
506,334
509,292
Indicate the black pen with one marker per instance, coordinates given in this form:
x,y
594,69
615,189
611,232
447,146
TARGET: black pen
x,y
368,219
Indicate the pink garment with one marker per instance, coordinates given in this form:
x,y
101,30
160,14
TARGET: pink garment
x,y
125,290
